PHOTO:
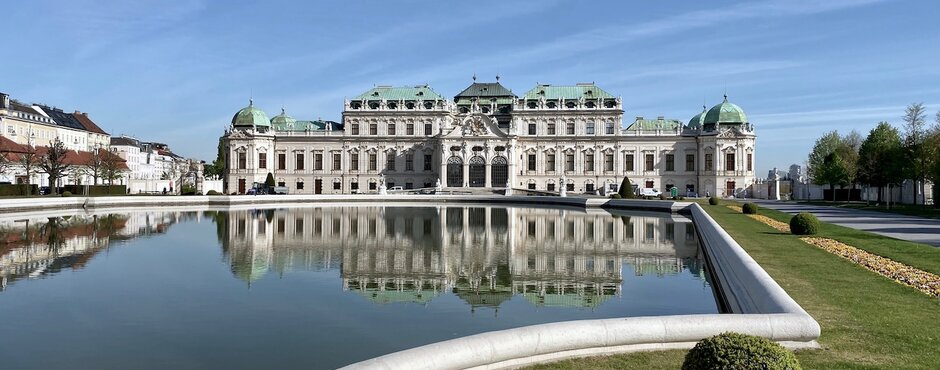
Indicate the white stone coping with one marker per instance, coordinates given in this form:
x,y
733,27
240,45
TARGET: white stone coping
x,y
758,304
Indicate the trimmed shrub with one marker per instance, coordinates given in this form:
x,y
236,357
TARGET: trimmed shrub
x,y
713,201
66,193
626,189
269,181
212,192
662,196
615,196
739,351
749,209
804,223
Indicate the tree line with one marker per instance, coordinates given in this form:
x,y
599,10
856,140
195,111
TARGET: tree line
x,y
884,159
101,164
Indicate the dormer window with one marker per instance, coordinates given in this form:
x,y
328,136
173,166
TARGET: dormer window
x,y
392,105
410,105
610,104
531,105
551,104
570,104
589,104
374,105
420,93
428,105
376,93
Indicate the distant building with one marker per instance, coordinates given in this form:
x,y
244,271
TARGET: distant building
x,y
488,137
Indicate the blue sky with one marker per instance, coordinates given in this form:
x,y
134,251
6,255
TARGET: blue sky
x,y
177,70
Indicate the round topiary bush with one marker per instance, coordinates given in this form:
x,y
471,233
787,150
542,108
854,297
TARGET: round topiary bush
x,y
615,196
739,351
212,192
662,196
713,201
804,223
749,209
66,193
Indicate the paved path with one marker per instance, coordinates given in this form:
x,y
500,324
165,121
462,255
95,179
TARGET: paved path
x,y
915,229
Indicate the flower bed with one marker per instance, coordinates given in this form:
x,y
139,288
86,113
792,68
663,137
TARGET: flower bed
x,y
921,280
780,226
736,209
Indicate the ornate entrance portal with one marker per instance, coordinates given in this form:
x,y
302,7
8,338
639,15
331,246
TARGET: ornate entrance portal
x,y
454,172
477,172
500,172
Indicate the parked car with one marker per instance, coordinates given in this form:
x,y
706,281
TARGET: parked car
x,y
393,188
649,192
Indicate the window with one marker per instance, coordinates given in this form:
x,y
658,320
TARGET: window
x,y
569,187
300,185
628,163
373,162
589,128
354,162
242,161
531,186
609,128
729,161
373,129
670,162
391,129
354,186
337,161
281,183
608,162
318,161
531,163
354,128
551,128
337,186
300,161
589,162
550,163
262,160
569,162
410,129
649,163
709,162
427,129
750,162
409,162
690,162
428,159
372,186
569,128
550,187
531,129
589,188
281,161
390,161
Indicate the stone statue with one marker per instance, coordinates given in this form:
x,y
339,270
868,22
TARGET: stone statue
x,y
508,191
382,189
437,185
562,187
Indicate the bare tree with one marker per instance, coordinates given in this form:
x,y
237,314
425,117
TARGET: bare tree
x,y
29,160
5,165
53,163
95,164
915,136
110,167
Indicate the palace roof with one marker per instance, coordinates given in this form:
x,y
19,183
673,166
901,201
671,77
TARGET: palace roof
x,y
581,90
420,92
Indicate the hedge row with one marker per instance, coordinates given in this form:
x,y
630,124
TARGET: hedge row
x,y
18,189
96,189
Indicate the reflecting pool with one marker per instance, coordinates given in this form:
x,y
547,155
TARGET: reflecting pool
x,y
322,287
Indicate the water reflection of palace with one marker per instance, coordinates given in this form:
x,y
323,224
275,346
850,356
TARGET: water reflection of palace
x,y
484,255
41,245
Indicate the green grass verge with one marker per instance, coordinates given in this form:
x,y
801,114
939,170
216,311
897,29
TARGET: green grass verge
x,y
868,321
902,209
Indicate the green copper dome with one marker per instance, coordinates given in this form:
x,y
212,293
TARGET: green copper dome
x,y
250,116
698,120
283,120
725,112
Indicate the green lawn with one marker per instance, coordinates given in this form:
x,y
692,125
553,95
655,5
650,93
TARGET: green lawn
x,y
903,209
868,321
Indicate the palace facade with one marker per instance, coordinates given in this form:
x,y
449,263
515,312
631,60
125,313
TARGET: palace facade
x,y
488,137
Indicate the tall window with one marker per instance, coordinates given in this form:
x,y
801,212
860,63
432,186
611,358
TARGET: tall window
x,y
628,163
649,163
550,163
390,161
690,162
428,159
709,162
531,129
569,128
409,162
531,163
410,129
242,160
373,162
281,161
337,161
729,161
354,161
670,162
589,162
609,128
354,128
373,129
318,161
750,162
262,160
608,162
569,162
589,128
551,128
299,161
391,128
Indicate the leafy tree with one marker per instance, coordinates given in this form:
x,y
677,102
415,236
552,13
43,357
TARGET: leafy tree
x,y
29,160
53,163
626,188
833,160
879,158
919,154
269,181
217,167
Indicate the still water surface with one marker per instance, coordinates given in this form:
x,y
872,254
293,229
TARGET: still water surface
x,y
323,287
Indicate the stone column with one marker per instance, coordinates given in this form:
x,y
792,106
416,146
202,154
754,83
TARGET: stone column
x,y
486,176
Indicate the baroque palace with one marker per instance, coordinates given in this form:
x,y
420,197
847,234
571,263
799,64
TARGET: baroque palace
x,y
487,137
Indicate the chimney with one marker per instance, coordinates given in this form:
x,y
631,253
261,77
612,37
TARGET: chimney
x,y
4,101
85,114
661,118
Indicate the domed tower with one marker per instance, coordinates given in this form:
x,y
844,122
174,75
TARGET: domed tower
x,y
283,121
251,117
249,150
695,124
726,144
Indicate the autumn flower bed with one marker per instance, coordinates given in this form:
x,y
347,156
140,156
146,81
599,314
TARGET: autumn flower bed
x,y
780,226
